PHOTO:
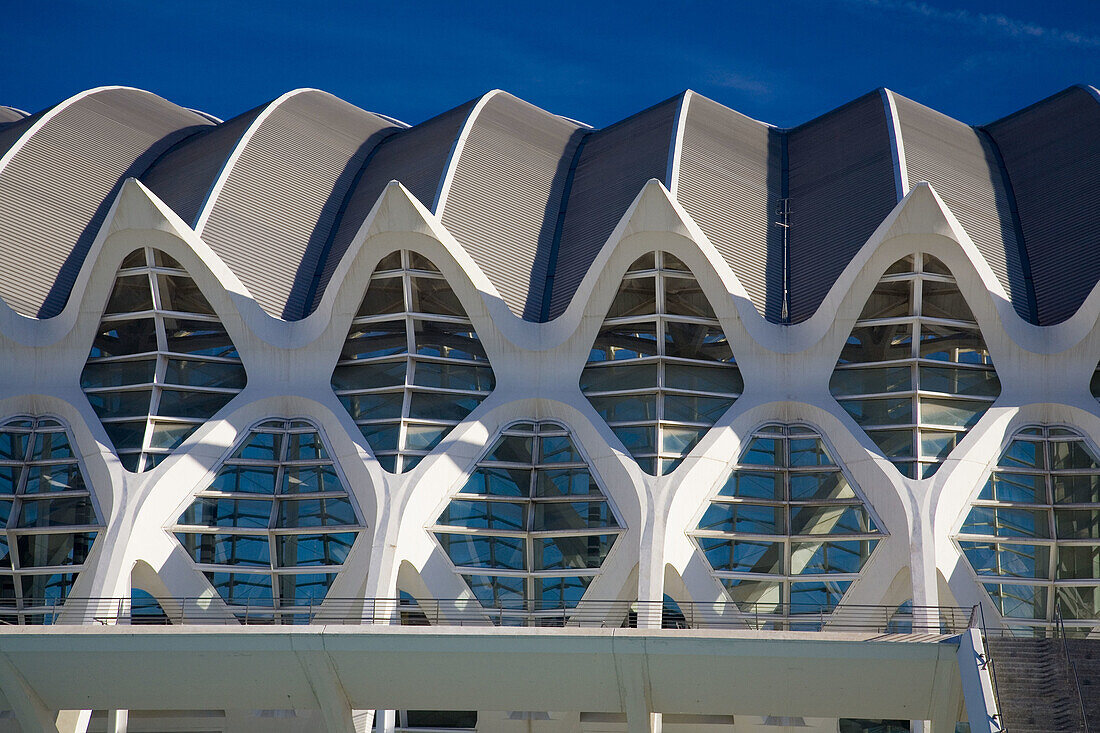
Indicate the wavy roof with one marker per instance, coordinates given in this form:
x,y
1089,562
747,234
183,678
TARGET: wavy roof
x,y
280,191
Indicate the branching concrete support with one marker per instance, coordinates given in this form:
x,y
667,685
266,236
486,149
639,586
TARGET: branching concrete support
x,y
32,714
323,680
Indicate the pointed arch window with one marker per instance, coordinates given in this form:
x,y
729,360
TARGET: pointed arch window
x,y
49,518
161,363
1032,534
532,526
915,372
274,527
412,366
661,371
787,532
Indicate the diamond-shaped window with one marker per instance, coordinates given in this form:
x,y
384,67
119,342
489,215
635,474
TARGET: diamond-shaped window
x,y
1033,533
161,362
661,371
412,366
274,527
787,532
915,372
49,516
531,527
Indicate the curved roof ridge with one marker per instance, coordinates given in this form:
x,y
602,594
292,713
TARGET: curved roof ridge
x,y
676,143
451,165
901,173
49,115
207,115
242,143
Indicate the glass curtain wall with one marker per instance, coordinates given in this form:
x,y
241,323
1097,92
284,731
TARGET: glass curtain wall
x,y
49,516
531,527
915,373
161,362
276,524
1033,532
412,366
661,371
787,532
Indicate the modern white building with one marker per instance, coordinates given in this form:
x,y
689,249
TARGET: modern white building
x,y
507,370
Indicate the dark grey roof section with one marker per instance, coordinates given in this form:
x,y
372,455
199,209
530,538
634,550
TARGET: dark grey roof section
x,y
57,188
10,114
185,174
962,166
271,218
506,192
729,182
10,132
614,165
416,157
841,187
1052,153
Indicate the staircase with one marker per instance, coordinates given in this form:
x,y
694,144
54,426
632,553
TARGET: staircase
x,y
1035,691
1086,655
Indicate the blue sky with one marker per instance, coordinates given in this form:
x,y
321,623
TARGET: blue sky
x,y
783,63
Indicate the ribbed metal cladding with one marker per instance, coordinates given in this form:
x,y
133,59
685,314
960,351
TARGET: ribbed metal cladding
x,y
415,157
963,169
10,132
730,184
10,114
505,195
841,187
1052,153
56,190
614,165
184,175
273,215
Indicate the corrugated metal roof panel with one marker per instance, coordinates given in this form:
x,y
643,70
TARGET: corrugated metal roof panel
x,y
730,184
55,191
962,167
10,114
505,195
841,187
272,217
415,157
184,175
1052,153
614,165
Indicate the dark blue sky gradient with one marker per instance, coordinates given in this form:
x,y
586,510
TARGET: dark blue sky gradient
x,y
781,63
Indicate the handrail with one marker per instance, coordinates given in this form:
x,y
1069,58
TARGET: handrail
x,y
1060,629
998,718
931,620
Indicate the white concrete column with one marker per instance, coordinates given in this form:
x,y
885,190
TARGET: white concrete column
x,y
977,684
118,721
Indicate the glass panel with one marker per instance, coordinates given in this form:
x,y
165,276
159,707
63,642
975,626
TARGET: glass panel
x,y
680,440
881,411
817,597
50,447
161,259
948,343
296,550
134,403
954,380
1077,523
180,293
449,340
418,261
199,338
134,259
227,549
434,295
559,592
558,449
423,437
877,343
1071,455
874,380
328,512
626,408
820,486
570,553
261,447
636,297
698,378
13,446
483,551
645,262
499,482
743,556
46,589
168,435
211,512
764,452
60,512
830,557
692,408
308,479
889,300
1006,522
572,516
1076,489
119,338
1019,601
1020,561
684,297
956,413
384,338
670,261
753,485
245,479
376,406
384,295
637,439
1078,562
9,479
193,373
620,377
831,520
131,293
754,596
499,515
630,341
1082,602
1023,454
118,373
305,447
933,265
1015,487
938,445
695,341
303,588
943,300
42,479
242,589
743,518
179,403
809,452
495,591
49,550
432,406
453,376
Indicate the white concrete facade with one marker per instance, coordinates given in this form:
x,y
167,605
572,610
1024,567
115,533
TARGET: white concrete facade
x,y
1044,374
